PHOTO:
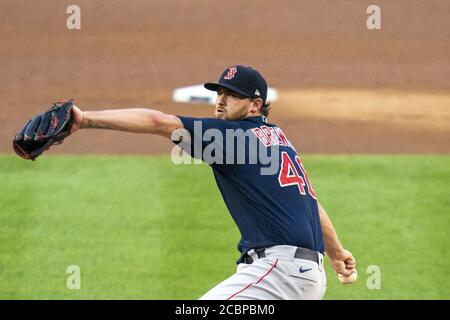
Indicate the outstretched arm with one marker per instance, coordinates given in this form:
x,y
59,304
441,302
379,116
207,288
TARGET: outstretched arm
x,y
341,260
131,120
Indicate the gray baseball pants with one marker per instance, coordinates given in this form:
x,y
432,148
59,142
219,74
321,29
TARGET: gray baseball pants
x,y
279,275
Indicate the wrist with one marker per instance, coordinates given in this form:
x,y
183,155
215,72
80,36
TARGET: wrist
x,y
83,120
336,254
86,121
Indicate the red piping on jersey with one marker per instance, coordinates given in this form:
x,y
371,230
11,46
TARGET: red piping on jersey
x,y
250,284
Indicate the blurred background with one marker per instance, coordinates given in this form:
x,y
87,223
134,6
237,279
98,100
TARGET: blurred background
x,y
335,76
349,99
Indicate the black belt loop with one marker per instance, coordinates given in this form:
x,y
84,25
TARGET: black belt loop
x,y
261,252
248,259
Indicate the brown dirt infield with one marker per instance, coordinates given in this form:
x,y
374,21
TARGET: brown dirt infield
x,y
343,88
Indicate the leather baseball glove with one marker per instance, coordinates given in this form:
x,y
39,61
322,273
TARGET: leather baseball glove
x,y
44,130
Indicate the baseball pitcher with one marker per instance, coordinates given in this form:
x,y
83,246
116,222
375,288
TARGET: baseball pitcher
x,y
285,232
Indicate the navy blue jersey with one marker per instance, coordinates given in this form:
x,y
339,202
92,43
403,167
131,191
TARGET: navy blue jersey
x,y
277,206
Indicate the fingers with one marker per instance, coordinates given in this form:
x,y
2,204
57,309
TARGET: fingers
x,y
348,279
339,267
347,272
350,264
345,264
345,269
349,259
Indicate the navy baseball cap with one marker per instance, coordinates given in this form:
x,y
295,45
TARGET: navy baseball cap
x,y
246,81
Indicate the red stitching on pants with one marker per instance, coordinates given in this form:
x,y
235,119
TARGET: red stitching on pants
x,y
250,284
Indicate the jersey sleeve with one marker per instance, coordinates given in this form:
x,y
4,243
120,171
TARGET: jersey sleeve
x,y
204,138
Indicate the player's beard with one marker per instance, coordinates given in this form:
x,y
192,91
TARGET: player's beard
x,y
235,116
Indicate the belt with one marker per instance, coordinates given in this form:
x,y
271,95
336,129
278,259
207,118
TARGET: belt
x,y
300,253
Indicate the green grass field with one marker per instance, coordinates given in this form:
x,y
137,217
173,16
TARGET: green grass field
x,y
144,228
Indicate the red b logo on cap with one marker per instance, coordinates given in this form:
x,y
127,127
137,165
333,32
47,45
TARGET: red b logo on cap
x,y
231,73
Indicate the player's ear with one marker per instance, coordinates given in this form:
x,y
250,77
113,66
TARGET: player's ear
x,y
255,105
